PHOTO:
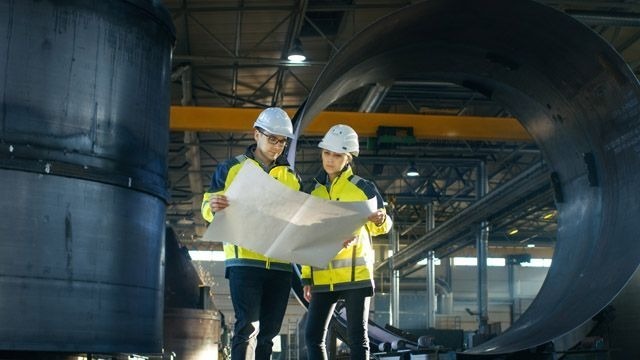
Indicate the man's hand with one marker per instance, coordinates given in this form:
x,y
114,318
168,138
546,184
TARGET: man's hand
x,y
306,290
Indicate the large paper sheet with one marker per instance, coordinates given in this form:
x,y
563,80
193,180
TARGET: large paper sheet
x,y
266,216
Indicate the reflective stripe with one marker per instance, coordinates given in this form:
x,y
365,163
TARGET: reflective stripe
x,y
355,179
236,255
352,268
342,286
258,264
343,263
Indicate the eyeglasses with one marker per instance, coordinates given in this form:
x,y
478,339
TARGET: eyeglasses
x,y
272,139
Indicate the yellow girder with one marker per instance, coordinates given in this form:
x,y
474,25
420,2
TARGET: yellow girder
x,y
218,119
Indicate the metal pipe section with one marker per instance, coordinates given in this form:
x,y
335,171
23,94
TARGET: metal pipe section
x,y
84,105
374,97
575,96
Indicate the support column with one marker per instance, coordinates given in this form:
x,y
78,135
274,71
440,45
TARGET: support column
x,y
482,248
513,261
394,293
431,290
192,156
445,304
512,291
431,272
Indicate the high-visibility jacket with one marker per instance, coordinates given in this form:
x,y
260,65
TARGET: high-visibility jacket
x,y
222,178
352,267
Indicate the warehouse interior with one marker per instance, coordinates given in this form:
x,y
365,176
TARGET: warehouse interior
x,y
498,131
449,162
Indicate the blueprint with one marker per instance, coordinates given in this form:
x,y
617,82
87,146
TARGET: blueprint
x,y
270,218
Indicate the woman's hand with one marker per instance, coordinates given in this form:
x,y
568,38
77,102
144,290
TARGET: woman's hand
x,y
378,217
349,241
218,202
306,290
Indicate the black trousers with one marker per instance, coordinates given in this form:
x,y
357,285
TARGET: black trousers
x,y
259,298
320,311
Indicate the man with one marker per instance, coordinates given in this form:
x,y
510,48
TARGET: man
x,y
259,285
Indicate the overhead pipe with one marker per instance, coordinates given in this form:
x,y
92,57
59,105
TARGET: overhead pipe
x,y
374,97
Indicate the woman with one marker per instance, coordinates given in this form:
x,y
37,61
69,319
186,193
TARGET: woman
x,y
349,275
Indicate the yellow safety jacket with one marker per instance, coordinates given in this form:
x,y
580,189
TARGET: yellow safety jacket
x,y
352,267
222,178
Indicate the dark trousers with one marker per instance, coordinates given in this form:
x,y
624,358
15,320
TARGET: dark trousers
x,y
259,298
320,311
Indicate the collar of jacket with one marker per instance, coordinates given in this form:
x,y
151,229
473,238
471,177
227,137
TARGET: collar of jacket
x,y
323,178
280,161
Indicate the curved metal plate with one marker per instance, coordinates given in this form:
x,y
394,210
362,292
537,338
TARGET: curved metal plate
x,y
575,96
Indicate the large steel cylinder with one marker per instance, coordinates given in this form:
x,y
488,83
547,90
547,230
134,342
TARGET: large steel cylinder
x,y
575,96
192,324
84,100
192,334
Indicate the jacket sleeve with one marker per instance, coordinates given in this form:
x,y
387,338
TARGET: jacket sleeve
x,y
305,275
371,191
383,228
218,185
298,178
205,209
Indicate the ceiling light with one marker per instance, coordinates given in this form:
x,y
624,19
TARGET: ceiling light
x,y
412,171
548,216
296,54
531,245
513,231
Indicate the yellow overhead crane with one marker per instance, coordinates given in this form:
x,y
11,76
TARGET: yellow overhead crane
x,y
445,127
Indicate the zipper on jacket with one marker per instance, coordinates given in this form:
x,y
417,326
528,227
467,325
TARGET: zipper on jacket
x,y
353,262
331,185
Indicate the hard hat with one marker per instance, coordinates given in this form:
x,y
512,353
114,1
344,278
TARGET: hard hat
x,y
341,139
275,121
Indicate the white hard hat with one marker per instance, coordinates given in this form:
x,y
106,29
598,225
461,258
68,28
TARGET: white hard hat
x,y
275,121
341,139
